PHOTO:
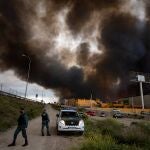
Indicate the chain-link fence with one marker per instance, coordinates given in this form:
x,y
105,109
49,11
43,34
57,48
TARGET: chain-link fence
x,y
5,90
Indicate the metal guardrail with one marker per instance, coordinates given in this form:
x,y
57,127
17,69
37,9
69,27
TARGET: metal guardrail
x,y
14,96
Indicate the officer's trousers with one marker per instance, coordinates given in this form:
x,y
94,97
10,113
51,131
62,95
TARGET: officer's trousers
x,y
17,131
45,124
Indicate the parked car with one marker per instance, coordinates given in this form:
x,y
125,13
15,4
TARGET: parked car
x,y
145,113
102,114
117,115
91,113
116,111
69,120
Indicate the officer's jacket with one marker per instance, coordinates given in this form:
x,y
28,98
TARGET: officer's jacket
x,y
23,121
45,117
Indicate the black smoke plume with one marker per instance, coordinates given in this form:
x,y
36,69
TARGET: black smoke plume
x,y
123,38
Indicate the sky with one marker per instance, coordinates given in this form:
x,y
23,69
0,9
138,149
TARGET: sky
x,y
12,84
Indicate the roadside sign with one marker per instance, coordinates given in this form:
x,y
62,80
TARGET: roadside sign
x,y
36,95
141,78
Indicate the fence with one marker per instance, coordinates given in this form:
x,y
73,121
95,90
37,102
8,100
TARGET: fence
x,y
7,91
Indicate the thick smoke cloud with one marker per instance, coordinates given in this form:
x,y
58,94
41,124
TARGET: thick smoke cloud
x,y
83,54
82,10
124,47
32,28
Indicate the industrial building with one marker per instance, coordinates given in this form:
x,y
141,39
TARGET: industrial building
x,y
121,103
81,102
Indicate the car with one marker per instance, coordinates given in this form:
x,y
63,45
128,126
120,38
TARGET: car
x,y
115,111
145,113
68,120
117,115
102,114
91,113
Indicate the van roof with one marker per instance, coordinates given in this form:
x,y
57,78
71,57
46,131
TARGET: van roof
x,y
68,110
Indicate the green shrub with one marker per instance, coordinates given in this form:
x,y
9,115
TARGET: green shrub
x,y
90,127
109,134
109,127
137,134
145,127
104,127
133,135
99,142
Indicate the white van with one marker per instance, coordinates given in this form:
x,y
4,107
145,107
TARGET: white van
x,y
69,120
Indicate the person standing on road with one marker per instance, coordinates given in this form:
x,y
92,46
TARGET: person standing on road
x,y
22,126
45,122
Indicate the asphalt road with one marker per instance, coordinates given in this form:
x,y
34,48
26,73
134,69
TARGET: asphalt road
x,y
36,141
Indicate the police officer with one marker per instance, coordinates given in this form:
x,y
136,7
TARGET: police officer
x,y
45,122
22,125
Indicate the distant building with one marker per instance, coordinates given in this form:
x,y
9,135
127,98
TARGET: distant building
x,y
81,102
121,103
133,102
136,101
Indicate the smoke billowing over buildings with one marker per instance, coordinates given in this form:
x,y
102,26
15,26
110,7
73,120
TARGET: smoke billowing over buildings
x,y
77,47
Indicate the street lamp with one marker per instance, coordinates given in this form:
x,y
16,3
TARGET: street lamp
x,y
28,75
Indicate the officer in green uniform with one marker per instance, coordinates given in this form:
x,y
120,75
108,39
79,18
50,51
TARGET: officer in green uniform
x,y
45,122
22,125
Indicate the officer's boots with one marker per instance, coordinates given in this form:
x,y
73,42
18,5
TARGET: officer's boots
x,y
48,133
26,143
12,144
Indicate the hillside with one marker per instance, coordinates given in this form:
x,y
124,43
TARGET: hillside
x,y
9,110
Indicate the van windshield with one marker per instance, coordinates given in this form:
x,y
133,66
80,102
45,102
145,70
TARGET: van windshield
x,y
67,114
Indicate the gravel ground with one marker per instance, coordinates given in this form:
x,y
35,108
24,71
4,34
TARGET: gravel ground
x,y
36,141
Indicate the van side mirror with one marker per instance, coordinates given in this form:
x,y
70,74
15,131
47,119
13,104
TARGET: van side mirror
x,y
57,115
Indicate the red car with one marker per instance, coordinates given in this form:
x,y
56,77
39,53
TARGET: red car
x,y
91,113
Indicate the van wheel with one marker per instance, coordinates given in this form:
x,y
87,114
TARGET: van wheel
x,y
81,132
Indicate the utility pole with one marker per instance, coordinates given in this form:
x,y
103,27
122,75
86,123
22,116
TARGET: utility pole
x,y
132,104
142,98
141,79
1,87
42,95
91,101
28,74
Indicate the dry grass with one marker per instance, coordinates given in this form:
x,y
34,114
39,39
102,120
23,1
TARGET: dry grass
x,y
9,110
111,135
